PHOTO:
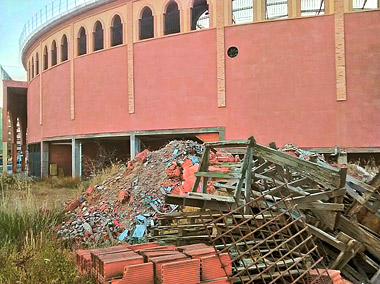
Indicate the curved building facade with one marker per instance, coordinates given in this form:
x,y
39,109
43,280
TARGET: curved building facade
x,y
133,73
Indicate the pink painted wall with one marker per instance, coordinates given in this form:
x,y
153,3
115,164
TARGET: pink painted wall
x,y
56,101
359,117
280,88
101,92
33,108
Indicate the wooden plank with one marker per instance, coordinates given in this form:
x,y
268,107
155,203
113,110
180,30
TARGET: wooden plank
x,y
329,177
218,175
322,206
202,167
228,143
318,196
327,237
371,242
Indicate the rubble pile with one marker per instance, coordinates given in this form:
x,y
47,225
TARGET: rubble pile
x,y
124,205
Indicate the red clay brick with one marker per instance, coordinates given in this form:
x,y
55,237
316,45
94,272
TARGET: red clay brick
x,y
191,247
212,268
159,261
151,254
223,280
143,246
138,273
112,265
201,252
97,252
183,271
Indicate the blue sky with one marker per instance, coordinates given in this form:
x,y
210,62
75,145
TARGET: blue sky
x,y
13,15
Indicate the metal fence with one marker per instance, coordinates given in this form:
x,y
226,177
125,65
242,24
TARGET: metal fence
x,y
276,9
51,12
312,7
242,11
365,4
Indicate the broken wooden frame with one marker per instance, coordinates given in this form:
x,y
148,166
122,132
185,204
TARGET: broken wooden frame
x,y
267,245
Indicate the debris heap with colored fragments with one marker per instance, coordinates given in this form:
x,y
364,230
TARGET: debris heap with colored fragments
x,y
124,205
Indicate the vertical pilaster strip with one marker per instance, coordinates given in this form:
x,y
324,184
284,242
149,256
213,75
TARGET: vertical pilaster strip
x,y
72,73
220,53
131,86
348,5
294,8
41,82
228,12
340,54
329,7
259,10
44,159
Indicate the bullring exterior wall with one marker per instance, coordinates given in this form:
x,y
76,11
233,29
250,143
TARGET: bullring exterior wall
x,y
285,85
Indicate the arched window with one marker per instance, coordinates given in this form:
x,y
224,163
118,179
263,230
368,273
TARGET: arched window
x,y
32,67
200,18
98,36
46,58
82,41
64,49
37,65
146,24
53,53
116,31
29,74
172,20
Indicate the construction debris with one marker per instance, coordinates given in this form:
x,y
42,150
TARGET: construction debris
x,y
124,205
316,197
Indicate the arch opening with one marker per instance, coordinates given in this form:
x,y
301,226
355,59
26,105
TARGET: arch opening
x,y
172,19
146,24
64,49
200,16
82,41
32,67
46,58
37,65
53,53
98,36
116,31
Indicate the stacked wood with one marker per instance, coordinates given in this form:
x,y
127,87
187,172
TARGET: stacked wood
x,y
341,212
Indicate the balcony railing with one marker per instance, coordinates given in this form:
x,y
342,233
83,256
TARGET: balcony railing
x,y
51,12
365,4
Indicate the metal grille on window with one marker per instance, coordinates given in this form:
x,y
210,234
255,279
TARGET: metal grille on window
x,y
276,9
82,42
200,17
146,24
98,37
116,31
242,11
172,19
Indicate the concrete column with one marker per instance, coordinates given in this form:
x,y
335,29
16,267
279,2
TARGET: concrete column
x,y
44,159
5,158
135,145
76,158
14,142
294,8
259,10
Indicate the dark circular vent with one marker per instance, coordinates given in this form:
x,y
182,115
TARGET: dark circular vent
x,y
233,51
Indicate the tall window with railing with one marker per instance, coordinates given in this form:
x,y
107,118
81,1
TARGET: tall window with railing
x,y
53,53
82,41
312,7
37,65
116,31
242,11
98,36
32,67
146,24
200,16
172,18
64,49
365,4
276,9
46,58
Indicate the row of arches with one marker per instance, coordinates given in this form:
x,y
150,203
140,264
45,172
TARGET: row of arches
x,y
172,20
34,64
98,36
171,24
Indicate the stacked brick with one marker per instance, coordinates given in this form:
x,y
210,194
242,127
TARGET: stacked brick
x,y
153,264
